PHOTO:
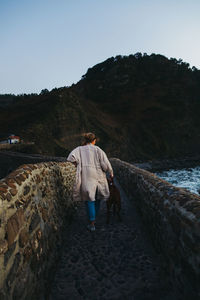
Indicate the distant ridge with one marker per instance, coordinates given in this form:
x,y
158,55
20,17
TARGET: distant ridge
x,y
141,106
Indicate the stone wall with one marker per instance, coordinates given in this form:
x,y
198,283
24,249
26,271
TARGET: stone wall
x,y
34,202
9,160
172,219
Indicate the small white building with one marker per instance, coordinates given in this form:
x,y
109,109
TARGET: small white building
x,y
13,139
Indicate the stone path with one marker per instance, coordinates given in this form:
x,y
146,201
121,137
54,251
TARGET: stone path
x,y
115,262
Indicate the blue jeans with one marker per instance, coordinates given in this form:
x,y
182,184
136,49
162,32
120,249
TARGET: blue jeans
x,y
92,208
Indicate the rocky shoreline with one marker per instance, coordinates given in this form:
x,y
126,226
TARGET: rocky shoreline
x,y
167,164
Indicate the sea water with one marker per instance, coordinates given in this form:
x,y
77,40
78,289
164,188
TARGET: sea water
x,y
188,178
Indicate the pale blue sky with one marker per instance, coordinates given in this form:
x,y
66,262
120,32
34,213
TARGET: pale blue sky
x,y
52,43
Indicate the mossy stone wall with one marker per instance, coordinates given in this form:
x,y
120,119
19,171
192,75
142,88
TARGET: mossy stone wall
x,y
34,202
172,219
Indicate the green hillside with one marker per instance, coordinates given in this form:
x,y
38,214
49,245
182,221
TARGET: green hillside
x,y
141,107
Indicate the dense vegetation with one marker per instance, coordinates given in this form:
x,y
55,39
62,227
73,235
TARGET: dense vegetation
x,y
141,106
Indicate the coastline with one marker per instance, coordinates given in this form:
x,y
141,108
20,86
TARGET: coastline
x,y
167,164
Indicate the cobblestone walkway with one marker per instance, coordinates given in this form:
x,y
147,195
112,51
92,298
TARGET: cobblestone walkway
x,y
115,262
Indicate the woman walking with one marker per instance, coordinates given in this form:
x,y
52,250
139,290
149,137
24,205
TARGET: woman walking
x,y
91,183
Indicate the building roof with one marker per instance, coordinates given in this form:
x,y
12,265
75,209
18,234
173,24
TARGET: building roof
x,y
14,137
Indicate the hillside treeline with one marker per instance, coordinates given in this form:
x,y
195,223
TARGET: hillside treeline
x,y
141,106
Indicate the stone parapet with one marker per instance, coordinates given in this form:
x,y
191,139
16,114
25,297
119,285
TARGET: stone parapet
x,y
9,160
34,201
171,216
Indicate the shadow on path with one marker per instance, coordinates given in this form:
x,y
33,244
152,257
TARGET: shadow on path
x,y
115,262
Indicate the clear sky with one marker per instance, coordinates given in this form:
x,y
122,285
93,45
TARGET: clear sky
x,y
52,43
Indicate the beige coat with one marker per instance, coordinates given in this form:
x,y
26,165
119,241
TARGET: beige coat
x,y
92,165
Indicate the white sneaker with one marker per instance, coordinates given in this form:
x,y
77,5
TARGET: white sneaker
x,y
91,227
